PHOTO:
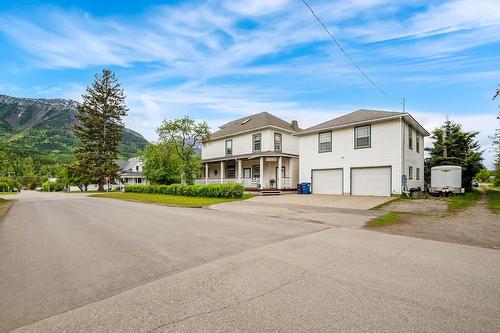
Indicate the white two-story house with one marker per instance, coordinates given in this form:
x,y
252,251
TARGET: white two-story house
x,y
365,152
260,151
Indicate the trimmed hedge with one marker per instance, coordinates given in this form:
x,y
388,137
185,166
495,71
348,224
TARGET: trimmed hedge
x,y
206,191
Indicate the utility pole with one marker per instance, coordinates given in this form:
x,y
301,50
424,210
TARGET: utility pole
x,y
445,148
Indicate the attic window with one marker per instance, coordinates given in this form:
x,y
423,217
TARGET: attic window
x,y
245,121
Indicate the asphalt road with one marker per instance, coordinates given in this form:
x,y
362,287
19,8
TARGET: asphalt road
x,y
69,263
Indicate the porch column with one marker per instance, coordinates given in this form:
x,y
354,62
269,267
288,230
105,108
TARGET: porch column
x,y
280,165
206,173
239,171
261,172
222,172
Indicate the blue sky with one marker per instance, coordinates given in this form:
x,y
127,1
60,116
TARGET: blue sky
x,y
220,60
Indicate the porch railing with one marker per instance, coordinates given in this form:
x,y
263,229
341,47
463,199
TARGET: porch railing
x,y
247,182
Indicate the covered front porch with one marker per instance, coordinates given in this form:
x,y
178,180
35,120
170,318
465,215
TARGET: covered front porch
x,y
256,173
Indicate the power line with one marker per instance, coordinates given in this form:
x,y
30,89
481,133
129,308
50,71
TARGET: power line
x,y
350,59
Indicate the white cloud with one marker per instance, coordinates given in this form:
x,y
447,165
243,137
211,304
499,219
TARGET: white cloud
x,y
255,7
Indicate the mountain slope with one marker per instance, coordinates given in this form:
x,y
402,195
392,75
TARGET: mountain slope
x,y
43,126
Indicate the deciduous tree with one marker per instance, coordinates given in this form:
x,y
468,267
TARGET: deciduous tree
x,y
185,134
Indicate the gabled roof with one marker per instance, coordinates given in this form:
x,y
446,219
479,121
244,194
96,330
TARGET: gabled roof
x,y
359,117
249,123
353,117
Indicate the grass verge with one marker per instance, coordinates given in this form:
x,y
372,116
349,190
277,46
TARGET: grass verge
x,y
493,198
8,193
386,219
4,206
167,199
459,202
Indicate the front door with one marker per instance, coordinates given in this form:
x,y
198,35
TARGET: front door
x,y
276,176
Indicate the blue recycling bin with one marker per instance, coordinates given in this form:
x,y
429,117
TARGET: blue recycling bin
x,y
305,188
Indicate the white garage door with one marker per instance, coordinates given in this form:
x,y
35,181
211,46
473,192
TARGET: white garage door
x,y
327,181
371,181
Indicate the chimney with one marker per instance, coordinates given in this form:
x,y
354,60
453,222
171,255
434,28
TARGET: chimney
x,y
295,124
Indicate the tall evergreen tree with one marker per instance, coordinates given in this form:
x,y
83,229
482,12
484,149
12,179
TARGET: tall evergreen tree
x,y
460,147
100,128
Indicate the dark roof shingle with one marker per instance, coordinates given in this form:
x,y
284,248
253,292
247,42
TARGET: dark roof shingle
x,y
353,117
248,123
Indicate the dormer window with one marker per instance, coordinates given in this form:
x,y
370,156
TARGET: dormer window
x,y
229,147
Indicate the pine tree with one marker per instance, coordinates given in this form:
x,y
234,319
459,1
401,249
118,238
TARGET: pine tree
x,y
100,129
461,149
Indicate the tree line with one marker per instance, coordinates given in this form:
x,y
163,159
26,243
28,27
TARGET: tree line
x,y
173,158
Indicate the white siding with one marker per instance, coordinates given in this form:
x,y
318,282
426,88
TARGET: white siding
x,y
385,150
243,144
412,158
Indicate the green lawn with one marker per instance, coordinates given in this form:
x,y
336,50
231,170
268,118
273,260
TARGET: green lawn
x,y
166,199
458,202
494,198
389,218
7,193
4,205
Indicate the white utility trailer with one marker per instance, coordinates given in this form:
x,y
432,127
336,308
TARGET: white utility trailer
x,y
446,179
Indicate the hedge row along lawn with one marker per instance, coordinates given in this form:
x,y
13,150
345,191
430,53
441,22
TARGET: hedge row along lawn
x,y
206,191
494,198
167,199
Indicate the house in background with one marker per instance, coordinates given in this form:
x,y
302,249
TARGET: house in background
x,y
131,172
259,151
366,152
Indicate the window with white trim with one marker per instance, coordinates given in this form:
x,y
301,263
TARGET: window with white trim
x,y
417,142
229,147
247,173
410,172
410,138
325,142
418,174
277,141
362,137
256,140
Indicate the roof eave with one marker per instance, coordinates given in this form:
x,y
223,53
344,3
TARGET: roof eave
x,y
305,132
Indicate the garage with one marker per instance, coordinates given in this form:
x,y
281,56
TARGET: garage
x,y
371,181
327,181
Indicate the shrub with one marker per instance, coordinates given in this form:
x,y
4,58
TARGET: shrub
x,y
7,183
52,186
496,182
206,191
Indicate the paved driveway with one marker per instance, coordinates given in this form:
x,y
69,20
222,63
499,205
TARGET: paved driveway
x,y
324,200
88,264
